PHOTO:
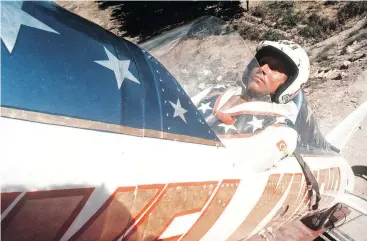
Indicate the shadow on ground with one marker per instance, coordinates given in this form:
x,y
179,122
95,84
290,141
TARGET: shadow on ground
x,y
360,171
144,20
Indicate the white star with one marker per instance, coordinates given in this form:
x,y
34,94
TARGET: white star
x,y
228,127
256,124
179,111
280,119
119,67
12,17
204,107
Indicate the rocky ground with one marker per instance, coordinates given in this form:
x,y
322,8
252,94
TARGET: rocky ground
x,y
336,41
338,85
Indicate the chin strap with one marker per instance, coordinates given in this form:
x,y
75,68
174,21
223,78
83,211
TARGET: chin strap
x,y
312,185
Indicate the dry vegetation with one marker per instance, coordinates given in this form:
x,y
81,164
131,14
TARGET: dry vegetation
x,y
304,22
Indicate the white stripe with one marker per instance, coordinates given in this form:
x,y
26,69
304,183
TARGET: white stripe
x,y
243,201
12,205
300,193
95,201
207,203
180,225
274,210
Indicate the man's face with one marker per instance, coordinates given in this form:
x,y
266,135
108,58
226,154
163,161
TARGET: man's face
x,y
266,78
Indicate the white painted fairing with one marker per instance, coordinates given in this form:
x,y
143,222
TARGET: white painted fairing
x,y
342,133
45,157
40,157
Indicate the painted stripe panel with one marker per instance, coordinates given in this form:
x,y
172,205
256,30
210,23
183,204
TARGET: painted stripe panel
x,y
179,199
44,215
214,210
335,178
328,191
271,195
290,204
338,179
113,218
323,183
298,204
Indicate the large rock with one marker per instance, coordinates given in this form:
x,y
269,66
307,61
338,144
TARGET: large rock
x,y
333,74
345,64
357,57
337,77
349,49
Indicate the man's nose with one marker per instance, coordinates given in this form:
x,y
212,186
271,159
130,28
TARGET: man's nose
x,y
264,68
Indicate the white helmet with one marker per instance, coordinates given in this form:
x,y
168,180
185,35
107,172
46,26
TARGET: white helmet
x,y
297,64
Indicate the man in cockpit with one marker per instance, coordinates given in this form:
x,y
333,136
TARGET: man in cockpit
x,y
279,71
263,106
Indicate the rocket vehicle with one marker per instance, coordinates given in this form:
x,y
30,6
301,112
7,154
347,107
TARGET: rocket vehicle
x,y
104,139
